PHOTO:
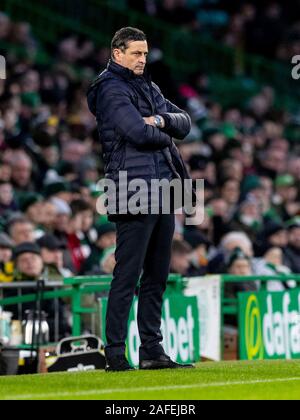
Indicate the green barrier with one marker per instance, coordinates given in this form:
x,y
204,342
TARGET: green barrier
x,y
53,18
269,325
76,287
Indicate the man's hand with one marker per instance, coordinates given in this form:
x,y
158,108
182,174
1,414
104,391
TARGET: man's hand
x,y
151,121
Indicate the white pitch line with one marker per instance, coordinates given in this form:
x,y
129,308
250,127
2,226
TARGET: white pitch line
x,y
95,392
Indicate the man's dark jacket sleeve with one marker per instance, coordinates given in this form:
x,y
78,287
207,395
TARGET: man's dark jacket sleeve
x,y
178,122
115,105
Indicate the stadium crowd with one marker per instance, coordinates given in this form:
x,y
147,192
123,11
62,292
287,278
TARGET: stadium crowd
x,y
51,161
266,27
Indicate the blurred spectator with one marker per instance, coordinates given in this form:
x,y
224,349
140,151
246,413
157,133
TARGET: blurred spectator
x,y
180,259
186,262
29,267
200,250
239,264
7,202
6,264
21,230
28,261
106,238
52,255
272,264
78,248
108,261
228,245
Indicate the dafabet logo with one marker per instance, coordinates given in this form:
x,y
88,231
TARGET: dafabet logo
x,y
2,68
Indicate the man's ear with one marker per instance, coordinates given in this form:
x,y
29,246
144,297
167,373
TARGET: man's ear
x,y
116,54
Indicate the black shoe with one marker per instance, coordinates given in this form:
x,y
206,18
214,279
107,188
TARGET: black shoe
x,y
118,364
163,362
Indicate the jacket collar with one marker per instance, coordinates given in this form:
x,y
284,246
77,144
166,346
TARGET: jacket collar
x,y
124,72
120,70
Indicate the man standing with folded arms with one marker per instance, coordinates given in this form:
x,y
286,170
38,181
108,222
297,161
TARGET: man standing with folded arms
x,y
136,125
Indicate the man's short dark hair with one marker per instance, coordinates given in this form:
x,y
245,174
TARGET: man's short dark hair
x,y
126,35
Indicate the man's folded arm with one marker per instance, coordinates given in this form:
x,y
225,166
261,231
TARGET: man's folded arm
x,y
178,122
129,123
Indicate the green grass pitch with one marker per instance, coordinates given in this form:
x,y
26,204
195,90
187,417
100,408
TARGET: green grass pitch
x,y
213,381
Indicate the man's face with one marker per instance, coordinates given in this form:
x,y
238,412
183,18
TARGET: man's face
x,y
6,194
22,232
62,222
52,257
21,172
241,268
134,57
107,240
180,263
31,265
5,255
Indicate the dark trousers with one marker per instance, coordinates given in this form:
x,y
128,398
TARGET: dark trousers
x,y
143,243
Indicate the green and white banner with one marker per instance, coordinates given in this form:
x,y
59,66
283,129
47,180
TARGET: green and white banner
x,y
208,291
269,325
180,328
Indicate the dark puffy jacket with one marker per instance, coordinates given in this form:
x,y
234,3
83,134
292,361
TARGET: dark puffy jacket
x,y
119,99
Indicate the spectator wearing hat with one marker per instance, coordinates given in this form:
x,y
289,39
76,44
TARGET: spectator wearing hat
x,y
29,266
239,263
58,189
229,242
52,255
28,262
292,251
6,264
252,186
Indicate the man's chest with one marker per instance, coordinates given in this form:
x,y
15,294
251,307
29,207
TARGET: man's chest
x,y
147,100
